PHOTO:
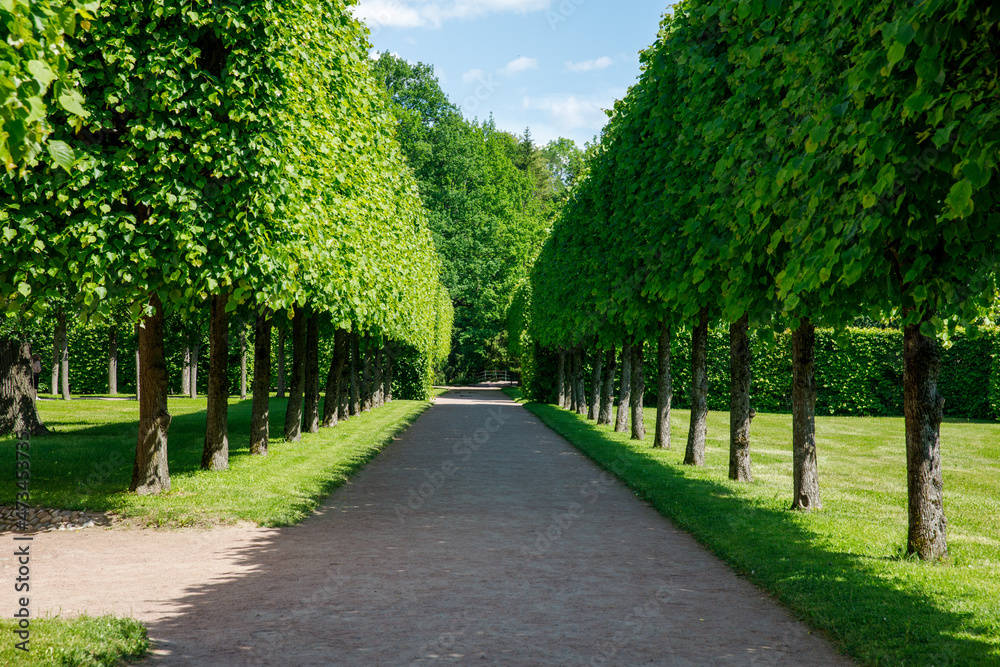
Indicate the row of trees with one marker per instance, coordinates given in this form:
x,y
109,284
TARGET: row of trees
x,y
788,168
244,158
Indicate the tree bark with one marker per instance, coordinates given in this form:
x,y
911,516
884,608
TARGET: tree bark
x,y
594,406
186,371
332,402
390,360
805,474
366,378
664,388
311,409
150,474
243,362
138,367
260,431
739,400
215,454
695,453
377,398
18,414
608,388
355,407
638,390
923,408
63,357
344,408
54,388
112,361
195,351
580,384
625,388
296,388
281,363
561,379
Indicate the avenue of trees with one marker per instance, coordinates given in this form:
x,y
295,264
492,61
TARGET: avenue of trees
x,y
237,162
782,168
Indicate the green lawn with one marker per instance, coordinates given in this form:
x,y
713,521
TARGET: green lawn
x,y
87,464
839,569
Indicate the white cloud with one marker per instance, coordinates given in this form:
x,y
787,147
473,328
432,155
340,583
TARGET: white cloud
x,y
379,14
570,112
473,75
519,65
588,65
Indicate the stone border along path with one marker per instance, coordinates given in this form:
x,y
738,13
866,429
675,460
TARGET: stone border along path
x,y
479,537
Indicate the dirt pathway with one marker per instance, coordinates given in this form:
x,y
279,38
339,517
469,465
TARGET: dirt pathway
x,y
480,537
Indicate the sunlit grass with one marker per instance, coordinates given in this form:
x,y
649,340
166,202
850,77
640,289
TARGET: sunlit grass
x,y
842,568
85,641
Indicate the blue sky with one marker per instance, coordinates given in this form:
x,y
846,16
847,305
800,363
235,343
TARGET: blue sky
x,y
551,65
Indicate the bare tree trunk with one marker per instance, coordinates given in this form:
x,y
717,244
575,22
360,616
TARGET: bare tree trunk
x,y
740,414
63,357
186,372
18,414
311,409
56,347
243,362
579,384
625,390
638,390
215,454
296,389
923,406
112,361
331,404
390,361
664,388
138,368
595,384
608,388
561,379
805,474
195,351
695,453
344,397
150,474
366,378
355,381
377,372
281,363
260,430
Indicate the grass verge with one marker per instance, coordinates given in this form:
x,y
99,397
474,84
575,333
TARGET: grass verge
x,y
85,641
840,569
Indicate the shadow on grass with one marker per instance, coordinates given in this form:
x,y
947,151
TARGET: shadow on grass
x,y
875,620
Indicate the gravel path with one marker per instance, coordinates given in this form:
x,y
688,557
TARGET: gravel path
x,y
479,537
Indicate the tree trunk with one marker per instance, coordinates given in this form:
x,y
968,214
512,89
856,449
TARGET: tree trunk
x,y
215,455
54,387
625,389
561,379
695,453
595,384
608,388
195,351
243,362
138,367
186,372
112,361
638,390
366,378
344,408
63,357
390,361
260,431
355,407
296,388
311,409
331,404
281,363
739,400
923,407
150,474
18,414
578,380
664,388
377,399
804,471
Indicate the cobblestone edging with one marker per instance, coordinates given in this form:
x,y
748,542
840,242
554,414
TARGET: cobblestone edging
x,y
43,519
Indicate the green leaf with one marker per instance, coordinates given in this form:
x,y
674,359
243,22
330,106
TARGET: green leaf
x,y
917,102
62,154
896,52
960,198
73,103
24,289
42,73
